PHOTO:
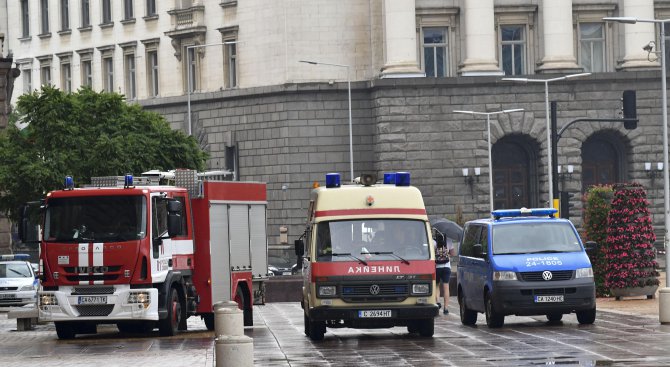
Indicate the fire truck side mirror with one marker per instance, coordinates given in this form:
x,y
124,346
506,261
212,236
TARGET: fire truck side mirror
x,y
174,218
299,248
29,222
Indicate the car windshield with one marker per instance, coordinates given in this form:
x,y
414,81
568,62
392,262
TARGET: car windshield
x,y
372,239
534,237
15,270
95,218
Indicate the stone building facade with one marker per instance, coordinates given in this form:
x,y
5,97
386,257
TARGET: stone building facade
x,y
258,110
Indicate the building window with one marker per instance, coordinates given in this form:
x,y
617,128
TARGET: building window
x,y
25,19
592,47
66,77
44,16
151,7
108,73
513,49
85,13
64,15
87,73
231,64
106,11
128,9
45,73
27,80
152,72
131,87
435,51
191,69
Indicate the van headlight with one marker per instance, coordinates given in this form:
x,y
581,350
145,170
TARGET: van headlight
x,y
504,275
584,273
421,288
327,290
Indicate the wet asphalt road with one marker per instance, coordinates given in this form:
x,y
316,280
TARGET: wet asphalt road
x,y
615,339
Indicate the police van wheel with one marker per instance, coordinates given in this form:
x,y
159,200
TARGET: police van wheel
x,y
493,318
554,317
468,316
65,330
316,330
586,317
427,327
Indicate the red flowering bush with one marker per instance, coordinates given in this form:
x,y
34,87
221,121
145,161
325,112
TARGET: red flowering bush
x,y
596,209
629,253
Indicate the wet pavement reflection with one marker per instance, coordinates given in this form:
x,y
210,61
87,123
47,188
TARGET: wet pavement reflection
x,y
614,340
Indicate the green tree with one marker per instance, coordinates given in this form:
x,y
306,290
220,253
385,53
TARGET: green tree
x,y
596,208
84,134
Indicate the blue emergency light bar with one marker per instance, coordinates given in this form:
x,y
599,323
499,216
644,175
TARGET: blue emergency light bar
x,y
20,257
69,183
535,212
402,179
332,180
128,180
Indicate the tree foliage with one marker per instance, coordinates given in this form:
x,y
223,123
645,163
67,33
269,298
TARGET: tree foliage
x,y
84,134
596,209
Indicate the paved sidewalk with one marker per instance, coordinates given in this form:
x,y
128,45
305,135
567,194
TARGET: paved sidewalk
x,y
633,305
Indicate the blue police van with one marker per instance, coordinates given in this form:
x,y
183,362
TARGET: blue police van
x,y
524,262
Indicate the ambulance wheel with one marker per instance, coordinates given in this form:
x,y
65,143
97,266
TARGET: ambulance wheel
x,y
554,317
209,321
468,316
170,325
65,330
427,327
316,330
493,318
306,324
587,316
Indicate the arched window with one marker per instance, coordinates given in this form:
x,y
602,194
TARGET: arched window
x,y
514,172
602,160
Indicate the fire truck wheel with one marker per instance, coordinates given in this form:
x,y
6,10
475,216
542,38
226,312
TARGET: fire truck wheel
x,y
209,321
427,327
170,325
316,330
65,330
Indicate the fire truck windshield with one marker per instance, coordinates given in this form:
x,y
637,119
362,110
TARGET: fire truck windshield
x,y
372,239
95,218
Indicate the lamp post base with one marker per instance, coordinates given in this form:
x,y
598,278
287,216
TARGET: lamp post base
x,y
664,305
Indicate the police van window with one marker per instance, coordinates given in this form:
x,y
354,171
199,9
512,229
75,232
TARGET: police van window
x,y
469,240
535,237
484,239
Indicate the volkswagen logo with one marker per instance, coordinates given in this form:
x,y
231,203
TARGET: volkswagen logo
x,y
546,275
374,289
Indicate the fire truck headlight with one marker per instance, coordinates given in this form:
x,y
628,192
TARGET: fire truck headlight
x,y
421,288
48,300
327,291
139,297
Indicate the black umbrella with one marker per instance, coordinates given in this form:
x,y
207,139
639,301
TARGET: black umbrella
x,y
448,229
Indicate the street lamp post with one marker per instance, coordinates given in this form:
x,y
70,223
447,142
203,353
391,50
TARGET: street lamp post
x,y
188,76
488,134
546,101
351,147
663,304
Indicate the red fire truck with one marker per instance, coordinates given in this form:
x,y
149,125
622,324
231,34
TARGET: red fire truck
x,y
142,254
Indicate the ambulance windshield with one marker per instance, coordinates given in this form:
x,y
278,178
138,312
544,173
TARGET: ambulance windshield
x,y
372,239
534,237
95,218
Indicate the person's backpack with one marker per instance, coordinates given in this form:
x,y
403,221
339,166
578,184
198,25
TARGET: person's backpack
x,y
441,255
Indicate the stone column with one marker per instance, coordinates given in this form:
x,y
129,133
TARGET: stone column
x,y
400,40
638,35
480,39
559,49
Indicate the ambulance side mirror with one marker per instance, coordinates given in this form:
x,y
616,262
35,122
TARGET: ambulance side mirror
x,y
299,248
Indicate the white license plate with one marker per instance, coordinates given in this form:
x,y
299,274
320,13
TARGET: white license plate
x,y
286,273
5,296
374,313
92,300
542,299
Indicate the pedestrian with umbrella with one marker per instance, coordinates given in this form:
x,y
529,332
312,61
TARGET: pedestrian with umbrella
x,y
446,234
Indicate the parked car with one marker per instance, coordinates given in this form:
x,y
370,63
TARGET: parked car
x,y
279,270
18,283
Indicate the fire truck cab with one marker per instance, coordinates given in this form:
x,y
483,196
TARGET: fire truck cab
x,y
368,257
141,253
